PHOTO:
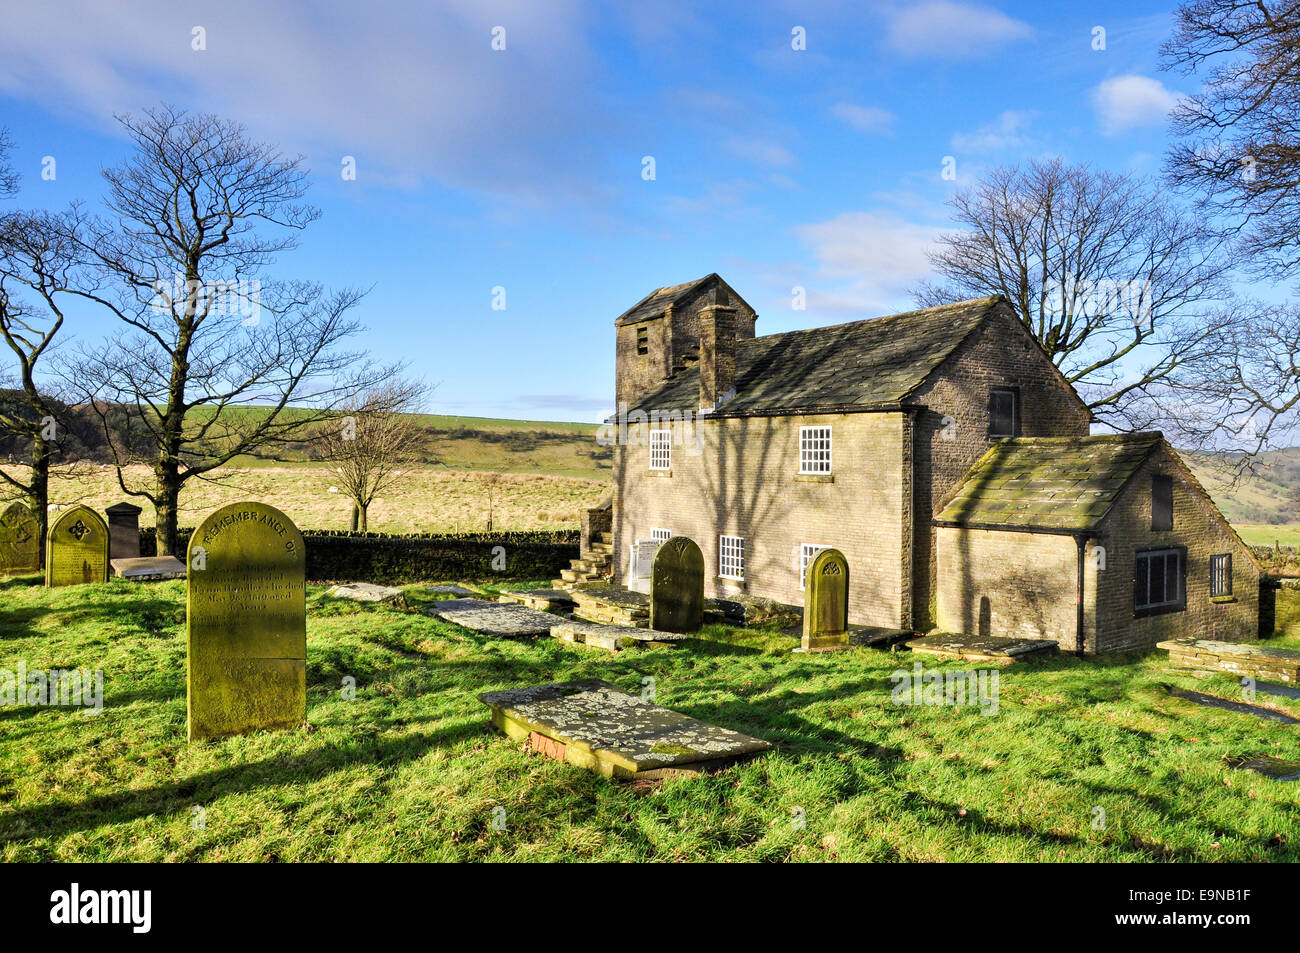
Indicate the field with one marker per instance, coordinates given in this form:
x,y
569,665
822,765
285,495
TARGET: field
x,y
425,500
409,770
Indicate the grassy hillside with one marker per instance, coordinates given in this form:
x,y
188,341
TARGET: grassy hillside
x,y
424,500
409,770
481,443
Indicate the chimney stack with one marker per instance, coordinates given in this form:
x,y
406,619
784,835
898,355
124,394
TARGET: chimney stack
x,y
717,355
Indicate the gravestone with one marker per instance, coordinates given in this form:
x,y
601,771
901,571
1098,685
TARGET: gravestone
x,y
826,603
246,623
123,531
76,548
20,548
677,586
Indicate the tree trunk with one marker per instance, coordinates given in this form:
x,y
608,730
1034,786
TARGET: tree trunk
x,y
165,509
356,516
362,511
39,496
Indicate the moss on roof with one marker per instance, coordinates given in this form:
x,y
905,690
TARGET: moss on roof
x,y
875,362
1053,483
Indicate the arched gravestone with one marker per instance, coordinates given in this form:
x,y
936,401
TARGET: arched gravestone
x,y
246,623
826,603
20,545
76,548
677,586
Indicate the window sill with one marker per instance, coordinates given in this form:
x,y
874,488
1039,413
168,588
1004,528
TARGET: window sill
x,y
731,585
659,473
1159,610
814,478
1222,600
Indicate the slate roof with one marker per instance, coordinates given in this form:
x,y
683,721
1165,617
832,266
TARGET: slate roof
x,y
656,302
1048,483
877,362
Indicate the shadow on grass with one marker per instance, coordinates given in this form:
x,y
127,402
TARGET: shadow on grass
x,y
61,817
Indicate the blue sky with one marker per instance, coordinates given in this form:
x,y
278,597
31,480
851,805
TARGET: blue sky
x,y
522,168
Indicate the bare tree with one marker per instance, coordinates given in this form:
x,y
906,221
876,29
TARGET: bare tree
x,y
372,437
1246,398
214,358
1119,287
1239,148
35,259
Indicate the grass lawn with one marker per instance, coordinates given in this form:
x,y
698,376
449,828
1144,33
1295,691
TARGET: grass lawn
x,y
409,769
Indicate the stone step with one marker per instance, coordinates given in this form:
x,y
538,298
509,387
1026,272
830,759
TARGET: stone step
x,y
606,549
606,538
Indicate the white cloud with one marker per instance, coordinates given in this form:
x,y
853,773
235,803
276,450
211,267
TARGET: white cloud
x,y
952,30
761,151
1008,131
1127,102
866,262
415,94
864,118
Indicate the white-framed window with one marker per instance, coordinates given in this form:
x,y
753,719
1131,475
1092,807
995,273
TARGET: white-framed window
x,y
661,535
807,553
731,557
1221,576
661,450
814,449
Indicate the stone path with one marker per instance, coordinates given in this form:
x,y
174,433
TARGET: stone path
x,y
504,619
1258,661
976,649
596,726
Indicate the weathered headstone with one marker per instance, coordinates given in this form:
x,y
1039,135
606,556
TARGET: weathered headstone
x,y
123,531
20,548
677,586
246,620
826,603
76,548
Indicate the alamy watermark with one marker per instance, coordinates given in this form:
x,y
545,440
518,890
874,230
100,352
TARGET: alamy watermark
x,y
56,688
1099,298
631,428
241,298
937,687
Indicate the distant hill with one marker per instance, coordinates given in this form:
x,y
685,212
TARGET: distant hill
x,y
554,448
1269,497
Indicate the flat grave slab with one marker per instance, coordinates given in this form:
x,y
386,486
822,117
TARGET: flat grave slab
x,y
1258,661
975,648
506,620
1214,701
595,725
148,568
611,637
452,590
368,592
1270,767
543,600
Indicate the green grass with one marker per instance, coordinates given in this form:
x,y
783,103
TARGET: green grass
x,y
409,770
1257,534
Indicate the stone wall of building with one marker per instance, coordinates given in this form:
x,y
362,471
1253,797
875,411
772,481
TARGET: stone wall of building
x,y
1008,585
952,433
1200,528
743,480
